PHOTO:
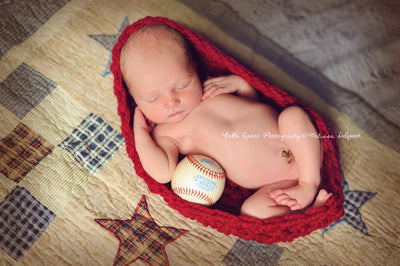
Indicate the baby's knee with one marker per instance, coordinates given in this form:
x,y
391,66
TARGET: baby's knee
x,y
258,202
247,207
250,208
262,208
293,113
292,116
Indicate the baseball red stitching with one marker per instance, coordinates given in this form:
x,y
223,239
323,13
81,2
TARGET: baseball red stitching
x,y
205,170
194,193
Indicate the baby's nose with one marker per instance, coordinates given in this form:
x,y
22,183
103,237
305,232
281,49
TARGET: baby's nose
x,y
172,101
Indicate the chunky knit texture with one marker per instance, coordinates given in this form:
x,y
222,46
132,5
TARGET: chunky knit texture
x,y
224,216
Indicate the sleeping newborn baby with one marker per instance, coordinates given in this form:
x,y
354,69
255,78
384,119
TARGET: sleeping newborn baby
x,y
223,118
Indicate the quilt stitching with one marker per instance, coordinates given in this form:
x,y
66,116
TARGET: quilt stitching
x,y
92,143
22,220
21,151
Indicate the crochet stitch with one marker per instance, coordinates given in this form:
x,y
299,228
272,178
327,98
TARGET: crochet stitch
x,y
224,215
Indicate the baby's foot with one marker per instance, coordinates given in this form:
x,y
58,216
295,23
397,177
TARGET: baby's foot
x,y
321,198
297,197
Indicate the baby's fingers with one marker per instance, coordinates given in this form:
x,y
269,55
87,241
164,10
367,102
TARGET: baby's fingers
x,y
138,117
208,91
216,91
211,80
139,120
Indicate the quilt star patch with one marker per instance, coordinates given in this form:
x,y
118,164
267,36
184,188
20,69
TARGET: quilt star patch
x,y
140,237
353,201
108,41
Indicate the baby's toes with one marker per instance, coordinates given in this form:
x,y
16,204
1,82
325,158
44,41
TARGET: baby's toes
x,y
296,207
275,193
284,202
283,199
322,196
277,196
292,203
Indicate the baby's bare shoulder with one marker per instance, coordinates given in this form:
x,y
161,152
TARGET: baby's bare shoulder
x,y
168,131
161,134
161,130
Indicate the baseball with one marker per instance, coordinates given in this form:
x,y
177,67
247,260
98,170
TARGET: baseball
x,y
198,179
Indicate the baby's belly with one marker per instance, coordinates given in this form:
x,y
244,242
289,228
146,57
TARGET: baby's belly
x,y
257,164
231,130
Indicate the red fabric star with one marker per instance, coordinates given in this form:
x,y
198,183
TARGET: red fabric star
x,y
140,237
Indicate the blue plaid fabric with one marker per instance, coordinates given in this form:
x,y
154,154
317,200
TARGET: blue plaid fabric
x,y
92,143
22,220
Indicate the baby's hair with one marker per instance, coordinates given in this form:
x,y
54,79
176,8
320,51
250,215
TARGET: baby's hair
x,y
154,37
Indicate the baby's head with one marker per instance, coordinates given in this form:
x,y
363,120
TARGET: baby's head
x,y
160,72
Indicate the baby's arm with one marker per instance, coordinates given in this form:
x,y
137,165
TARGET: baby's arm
x,y
229,84
159,158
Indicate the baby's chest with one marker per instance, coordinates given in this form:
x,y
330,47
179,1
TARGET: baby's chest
x,y
203,132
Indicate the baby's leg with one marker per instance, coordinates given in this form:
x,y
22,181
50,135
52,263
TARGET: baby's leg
x,y
262,206
294,121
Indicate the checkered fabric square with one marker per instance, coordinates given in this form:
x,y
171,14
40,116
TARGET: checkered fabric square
x,y
21,151
246,252
92,143
24,89
22,221
21,19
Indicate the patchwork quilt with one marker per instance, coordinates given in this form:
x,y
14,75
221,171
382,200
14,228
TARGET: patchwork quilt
x,y
68,190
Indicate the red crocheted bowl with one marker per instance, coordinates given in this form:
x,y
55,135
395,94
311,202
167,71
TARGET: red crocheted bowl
x,y
224,215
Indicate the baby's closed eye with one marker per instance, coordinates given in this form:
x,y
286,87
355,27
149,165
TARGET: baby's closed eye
x,y
151,99
183,85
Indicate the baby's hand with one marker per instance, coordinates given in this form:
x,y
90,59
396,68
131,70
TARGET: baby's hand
x,y
221,85
140,121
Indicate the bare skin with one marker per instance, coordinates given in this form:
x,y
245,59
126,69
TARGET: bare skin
x,y
223,119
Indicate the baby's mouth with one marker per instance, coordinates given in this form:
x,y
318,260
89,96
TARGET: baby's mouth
x,y
175,114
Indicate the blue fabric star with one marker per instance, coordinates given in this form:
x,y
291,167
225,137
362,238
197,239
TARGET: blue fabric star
x,y
108,41
353,201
